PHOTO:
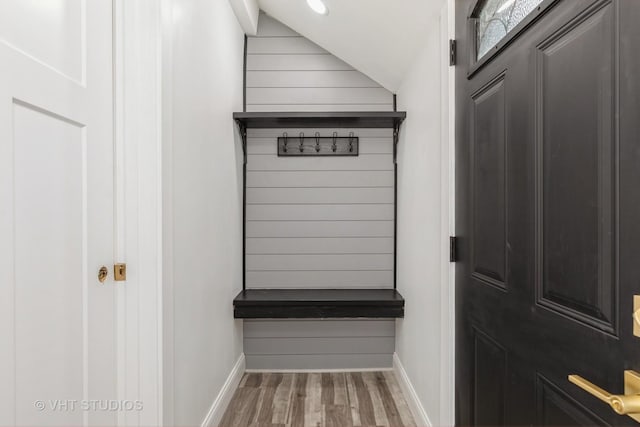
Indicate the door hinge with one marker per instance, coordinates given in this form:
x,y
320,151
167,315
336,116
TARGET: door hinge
x,y
120,272
453,249
453,50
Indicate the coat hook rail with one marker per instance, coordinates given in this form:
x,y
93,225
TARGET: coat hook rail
x,y
317,145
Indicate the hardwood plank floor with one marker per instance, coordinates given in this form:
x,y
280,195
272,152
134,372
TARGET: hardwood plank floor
x,y
336,399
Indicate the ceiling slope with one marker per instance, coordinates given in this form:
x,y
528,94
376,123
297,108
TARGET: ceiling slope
x,y
380,38
247,13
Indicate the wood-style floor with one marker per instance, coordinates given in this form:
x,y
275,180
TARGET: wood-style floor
x,y
349,399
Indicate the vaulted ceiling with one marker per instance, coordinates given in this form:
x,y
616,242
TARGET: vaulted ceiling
x,y
380,38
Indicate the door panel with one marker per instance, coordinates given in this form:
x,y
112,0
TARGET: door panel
x,y
51,32
576,170
489,139
490,369
547,161
556,408
48,206
57,322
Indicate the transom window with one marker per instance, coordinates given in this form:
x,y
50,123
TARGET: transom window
x,y
497,18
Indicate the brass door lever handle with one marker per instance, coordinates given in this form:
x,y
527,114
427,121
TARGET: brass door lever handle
x,y
623,404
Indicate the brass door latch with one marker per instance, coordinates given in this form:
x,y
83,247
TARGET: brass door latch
x,y
102,274
623,404
120,272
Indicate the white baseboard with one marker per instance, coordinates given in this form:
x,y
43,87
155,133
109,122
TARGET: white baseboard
x,y
419,414
214,417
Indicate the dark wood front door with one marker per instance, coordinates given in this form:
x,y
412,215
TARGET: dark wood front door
x,y
548,213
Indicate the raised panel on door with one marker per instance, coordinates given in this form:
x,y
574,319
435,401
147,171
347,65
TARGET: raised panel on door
x,y
50,284
51,32
576,175
556,408
489,182
489,377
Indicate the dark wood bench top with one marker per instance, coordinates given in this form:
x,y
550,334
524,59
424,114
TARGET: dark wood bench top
x,y
318,303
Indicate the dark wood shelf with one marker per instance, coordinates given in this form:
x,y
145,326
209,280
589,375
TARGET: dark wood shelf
x,y
318,303
366,119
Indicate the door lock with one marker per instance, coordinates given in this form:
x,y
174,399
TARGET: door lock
x,y
102,274
623,404
120,272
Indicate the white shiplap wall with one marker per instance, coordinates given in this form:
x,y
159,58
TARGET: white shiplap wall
x,y
319,222
287,72
316,222
319,344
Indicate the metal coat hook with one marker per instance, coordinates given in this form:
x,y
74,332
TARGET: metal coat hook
x,y
317,145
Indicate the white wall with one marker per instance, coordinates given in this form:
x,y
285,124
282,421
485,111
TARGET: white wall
x,y
425,336
202,161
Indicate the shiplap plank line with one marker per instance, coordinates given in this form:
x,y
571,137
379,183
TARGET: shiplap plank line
x,y
313,213
324,95
328,262
367,162
319,229
319,245
313,62
309,79
328,328
319,345
320,279
310,179
319,195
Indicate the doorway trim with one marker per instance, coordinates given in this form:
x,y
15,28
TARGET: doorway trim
x,y
138,211
447,203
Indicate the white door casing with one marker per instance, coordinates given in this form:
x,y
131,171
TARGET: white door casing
x,y
57,323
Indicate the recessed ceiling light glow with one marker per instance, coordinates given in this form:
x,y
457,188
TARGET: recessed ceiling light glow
x,y
318,6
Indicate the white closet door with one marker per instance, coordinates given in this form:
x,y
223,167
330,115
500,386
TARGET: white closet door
x,y
57,335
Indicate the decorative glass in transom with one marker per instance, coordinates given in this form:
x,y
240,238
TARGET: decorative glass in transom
x,y
497,18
